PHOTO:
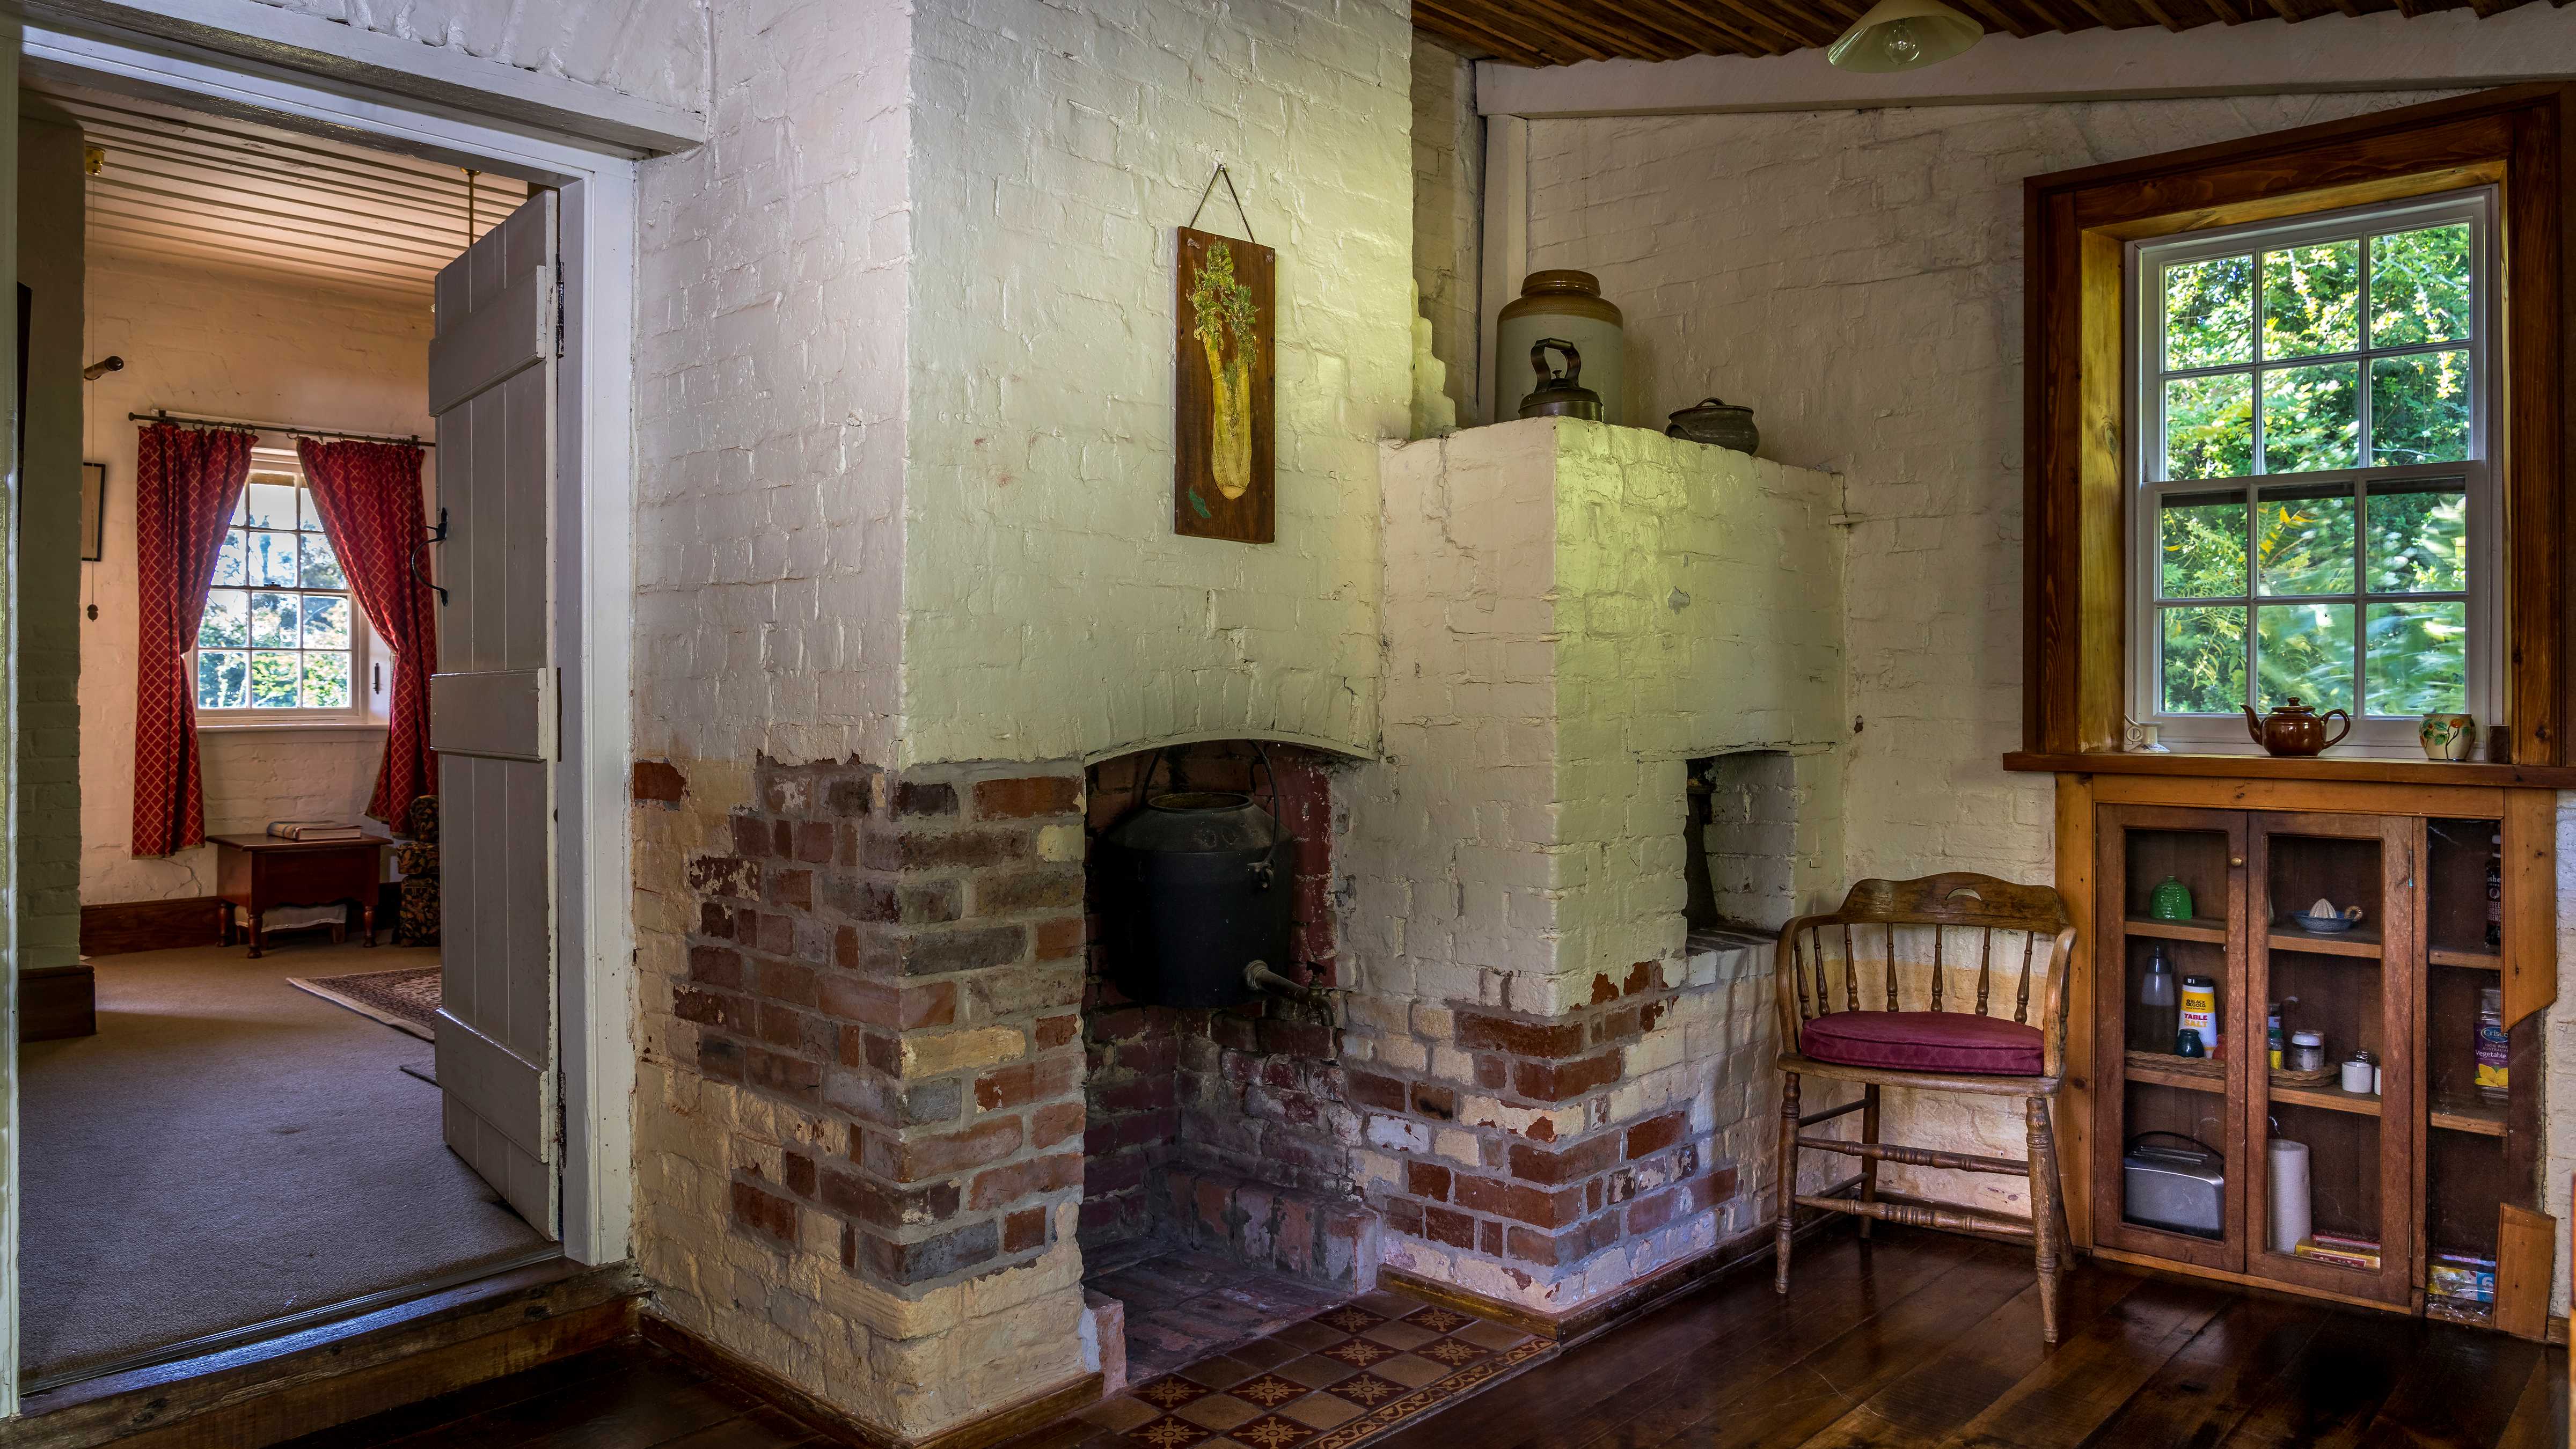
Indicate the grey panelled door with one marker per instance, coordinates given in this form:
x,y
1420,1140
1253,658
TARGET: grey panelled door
x,y
492,707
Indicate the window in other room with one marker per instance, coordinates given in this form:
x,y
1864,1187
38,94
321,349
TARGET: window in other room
x,y
2315,513
282,640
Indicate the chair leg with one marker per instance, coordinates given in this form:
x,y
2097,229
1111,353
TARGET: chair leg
x,y
1788,1178
2043,1215
1868,1165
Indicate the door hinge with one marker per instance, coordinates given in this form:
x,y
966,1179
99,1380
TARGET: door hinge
x,y
559,306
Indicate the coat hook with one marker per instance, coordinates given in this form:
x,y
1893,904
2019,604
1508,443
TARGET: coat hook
x,y
420,551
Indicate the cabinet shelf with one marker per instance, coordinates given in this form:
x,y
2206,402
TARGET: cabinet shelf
x,y
2480,960
2355,942
2468,1114
2333,1099
2189,1081
2207,929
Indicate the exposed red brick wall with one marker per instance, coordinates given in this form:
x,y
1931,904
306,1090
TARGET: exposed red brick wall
x,y
1252,1095
898,957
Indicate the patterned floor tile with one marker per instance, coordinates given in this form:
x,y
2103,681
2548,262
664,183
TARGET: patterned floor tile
x,y
1366,1390
1272,1432
1400,1334
1168,1394
1168,1433
1270,1391
1359,1352
1338,1378
1441,1320
1321,1411
1218,1413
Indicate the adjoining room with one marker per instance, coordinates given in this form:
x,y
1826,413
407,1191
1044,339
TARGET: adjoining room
x,y
233,989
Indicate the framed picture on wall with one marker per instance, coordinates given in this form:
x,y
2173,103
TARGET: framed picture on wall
x,y
93,512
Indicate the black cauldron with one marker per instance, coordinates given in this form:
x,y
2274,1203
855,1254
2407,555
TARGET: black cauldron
x,y
1196,885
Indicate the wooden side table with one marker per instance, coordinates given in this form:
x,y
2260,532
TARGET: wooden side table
x,y
256,872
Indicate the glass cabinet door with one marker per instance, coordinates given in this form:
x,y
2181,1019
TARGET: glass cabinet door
x,y
2169,948
2336,946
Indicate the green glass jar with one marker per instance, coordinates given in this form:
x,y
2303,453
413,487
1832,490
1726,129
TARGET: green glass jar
x,y
2170,900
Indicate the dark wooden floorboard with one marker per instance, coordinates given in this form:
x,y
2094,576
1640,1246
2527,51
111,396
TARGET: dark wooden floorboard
x,y
1916,1341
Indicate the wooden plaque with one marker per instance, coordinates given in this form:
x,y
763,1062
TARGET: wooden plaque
x,y
1224,451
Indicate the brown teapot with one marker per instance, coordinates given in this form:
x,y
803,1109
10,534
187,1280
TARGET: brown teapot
x,y
2294,729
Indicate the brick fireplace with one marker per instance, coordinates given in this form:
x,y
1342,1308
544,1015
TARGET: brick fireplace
x,y
1226,1129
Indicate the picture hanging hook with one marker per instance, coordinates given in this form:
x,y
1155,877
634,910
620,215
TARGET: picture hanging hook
x,y
1210,189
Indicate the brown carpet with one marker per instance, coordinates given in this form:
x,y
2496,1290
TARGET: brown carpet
x,y
405,999
228,1150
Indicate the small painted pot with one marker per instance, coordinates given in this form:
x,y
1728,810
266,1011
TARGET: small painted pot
x,y
2447,736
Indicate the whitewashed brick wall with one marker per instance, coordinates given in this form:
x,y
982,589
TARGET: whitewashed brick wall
x,y
1049,609
652,49
1856,276
1448,214
223,344
771,338
1572,613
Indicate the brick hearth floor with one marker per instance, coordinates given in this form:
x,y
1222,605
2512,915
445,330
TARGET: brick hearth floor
x,y
1184,1305
1337,1379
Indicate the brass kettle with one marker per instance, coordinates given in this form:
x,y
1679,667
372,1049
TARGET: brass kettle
x,y
1560,397
2293,729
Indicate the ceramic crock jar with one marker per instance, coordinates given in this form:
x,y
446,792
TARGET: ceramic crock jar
x,y
1566,303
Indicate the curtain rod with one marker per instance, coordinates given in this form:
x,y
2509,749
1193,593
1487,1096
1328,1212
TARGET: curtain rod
x,y
171,417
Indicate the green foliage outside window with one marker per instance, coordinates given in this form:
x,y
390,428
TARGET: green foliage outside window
x,y
2307,566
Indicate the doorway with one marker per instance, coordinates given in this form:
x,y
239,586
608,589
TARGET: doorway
x,y
256,1064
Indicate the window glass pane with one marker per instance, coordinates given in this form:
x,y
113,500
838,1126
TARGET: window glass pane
x,y
2312,300
272,620
2202,540
222,679
2202,659
272,559
2311,418
2209,426
2419,656
2303,541
2419,539
275,678
2419,286
326,680
226,624
2303,652
312,515
326,621
232,564
2419,408
2209,313
321,565
269,501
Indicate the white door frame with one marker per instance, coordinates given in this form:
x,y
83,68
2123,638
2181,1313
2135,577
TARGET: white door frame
x,y
594,578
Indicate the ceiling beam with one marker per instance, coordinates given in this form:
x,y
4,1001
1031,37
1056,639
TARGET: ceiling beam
x,y
2445,50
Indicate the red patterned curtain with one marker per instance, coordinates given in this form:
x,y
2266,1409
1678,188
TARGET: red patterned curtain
x,y
185,483
369,497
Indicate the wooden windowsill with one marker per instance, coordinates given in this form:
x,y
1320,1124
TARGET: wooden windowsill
x,y
2265,767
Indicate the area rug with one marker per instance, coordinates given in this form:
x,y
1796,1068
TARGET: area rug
x,y
406,1000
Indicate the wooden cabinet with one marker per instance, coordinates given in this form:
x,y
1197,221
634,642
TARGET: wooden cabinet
x,y
2425,1164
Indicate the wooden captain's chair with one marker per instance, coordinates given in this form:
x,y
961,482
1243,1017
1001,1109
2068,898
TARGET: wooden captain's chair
x,y
1836,1025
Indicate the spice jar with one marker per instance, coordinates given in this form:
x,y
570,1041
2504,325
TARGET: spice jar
x,y
2307,1051
2357,1074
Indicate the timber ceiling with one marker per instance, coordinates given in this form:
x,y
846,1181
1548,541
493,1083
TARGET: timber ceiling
x,y
179,186
1561,32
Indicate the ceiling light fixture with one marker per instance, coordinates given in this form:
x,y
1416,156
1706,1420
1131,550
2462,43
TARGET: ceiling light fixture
x,y
1904,35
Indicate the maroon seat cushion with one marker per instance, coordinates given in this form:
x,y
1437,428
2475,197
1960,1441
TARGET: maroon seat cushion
x,y
1924,1041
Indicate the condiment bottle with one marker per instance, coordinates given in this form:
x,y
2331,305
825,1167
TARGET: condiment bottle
x,y
2152,1029
2492,1071
2200,1012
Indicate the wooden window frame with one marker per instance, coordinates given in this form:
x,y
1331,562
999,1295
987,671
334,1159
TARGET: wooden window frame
x,y
2076,585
